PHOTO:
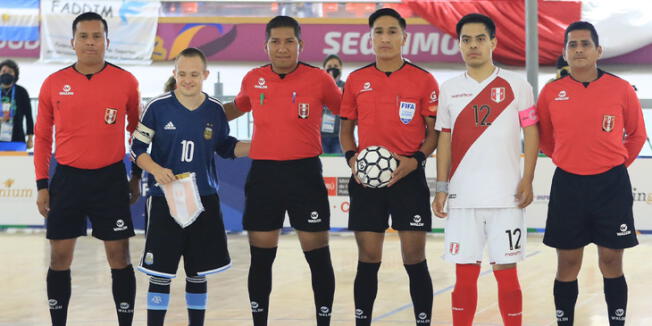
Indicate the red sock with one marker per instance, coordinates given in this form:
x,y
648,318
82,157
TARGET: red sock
x,y
510,298
465,295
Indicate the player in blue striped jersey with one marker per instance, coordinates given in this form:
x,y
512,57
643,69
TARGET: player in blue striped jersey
x,y
184,128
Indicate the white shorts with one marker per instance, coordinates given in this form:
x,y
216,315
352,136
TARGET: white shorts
x,y
467,230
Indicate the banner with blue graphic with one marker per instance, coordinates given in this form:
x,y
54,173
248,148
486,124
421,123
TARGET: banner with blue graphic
x,y
19,20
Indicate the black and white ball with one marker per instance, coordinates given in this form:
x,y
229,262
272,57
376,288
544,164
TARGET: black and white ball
x,y
374,166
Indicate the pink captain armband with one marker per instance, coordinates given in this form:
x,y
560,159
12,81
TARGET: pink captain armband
x,y
528,117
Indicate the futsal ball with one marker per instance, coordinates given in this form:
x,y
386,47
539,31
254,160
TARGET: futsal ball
x,y
374,166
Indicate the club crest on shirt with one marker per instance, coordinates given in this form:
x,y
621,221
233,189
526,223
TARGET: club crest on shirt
x,y
608,122
454,248
208,132
304,110
498,94
110,115
406,111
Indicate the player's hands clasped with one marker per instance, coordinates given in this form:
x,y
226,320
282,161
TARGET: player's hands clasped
x,y
163,176
405,166
524,193
438,204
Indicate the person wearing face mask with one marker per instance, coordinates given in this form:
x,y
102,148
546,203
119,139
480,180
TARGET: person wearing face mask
x,y
16,106
330,123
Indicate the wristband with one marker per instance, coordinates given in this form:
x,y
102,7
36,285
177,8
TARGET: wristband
x,y
420,157
42,184
348,155
441,186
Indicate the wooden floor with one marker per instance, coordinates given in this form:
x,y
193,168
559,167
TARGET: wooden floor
x,y
25,260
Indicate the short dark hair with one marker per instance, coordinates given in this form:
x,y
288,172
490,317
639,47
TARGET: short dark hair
x,y
193,52
89,16
582,25
13,65
282,21
331,57
387,12
476,18
170,84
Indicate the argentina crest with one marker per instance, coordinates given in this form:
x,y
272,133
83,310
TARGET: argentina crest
x,y
110,115
406,111
208,131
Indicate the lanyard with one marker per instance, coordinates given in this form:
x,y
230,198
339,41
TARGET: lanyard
x,y
12,101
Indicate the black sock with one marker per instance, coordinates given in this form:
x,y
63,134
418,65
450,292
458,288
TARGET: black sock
x,y
124,294
158,299
565,297
323,283
196,296
615,293
420,291
58,285
260,283
365,288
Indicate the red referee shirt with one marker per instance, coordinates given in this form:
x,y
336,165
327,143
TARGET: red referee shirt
x,y
390,110
590,128
287,110
88,114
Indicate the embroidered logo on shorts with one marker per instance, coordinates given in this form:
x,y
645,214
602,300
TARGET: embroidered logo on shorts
x,y
454,248
110,115
359,314
149,258
608,122
314,217
54,304
120,225
124,308
416,220
623,231
422,318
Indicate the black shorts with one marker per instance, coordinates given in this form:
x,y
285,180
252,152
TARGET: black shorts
x,y
202,244
591,208
295,186
102,195
407,201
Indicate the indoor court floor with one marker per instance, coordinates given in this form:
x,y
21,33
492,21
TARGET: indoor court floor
x,y
25,259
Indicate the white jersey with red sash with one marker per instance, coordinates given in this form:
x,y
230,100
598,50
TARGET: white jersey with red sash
x,y
485,121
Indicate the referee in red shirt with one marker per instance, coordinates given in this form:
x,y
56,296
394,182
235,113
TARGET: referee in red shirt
x,y
87,104
591,125
394,104
286,98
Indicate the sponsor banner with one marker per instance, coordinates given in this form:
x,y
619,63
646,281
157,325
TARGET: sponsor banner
x,y
19,20
131,24
351,41
18,192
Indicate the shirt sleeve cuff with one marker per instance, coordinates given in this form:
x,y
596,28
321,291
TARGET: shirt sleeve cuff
x,y
42,184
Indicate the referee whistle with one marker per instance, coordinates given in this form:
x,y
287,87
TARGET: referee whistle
x,y
294,96
262,98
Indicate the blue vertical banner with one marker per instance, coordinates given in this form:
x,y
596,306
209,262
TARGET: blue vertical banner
x,y
19,20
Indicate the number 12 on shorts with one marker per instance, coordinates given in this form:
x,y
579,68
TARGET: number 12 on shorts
x,y
516,233
187,150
